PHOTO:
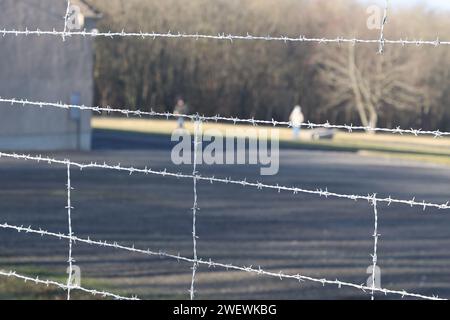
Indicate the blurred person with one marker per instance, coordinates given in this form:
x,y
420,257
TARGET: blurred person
x,y
296,118
181,108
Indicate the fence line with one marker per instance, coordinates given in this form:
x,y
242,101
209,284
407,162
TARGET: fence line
x,y
209,263
195,261
198,120
138,113
221,36
258,185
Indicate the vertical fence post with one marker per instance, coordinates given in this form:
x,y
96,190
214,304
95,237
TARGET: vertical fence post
x,y
69,219
375,246
195,208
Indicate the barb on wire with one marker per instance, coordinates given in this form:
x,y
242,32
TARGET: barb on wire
x,y
383,24
138,113
258,185
13,274
221,36
212,264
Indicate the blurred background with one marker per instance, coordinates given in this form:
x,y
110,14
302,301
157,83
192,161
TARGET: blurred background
x,y
407,86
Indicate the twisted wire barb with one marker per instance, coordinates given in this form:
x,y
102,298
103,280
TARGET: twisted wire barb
x,y
220,36
69,218
211,264
244,183
138,113
195,208
47,283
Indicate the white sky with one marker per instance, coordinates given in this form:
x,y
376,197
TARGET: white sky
x,y
432,4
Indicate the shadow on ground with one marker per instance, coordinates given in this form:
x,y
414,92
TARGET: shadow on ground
x,y
297,234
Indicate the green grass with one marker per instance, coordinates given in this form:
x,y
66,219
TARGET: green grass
x,y
406,147
16,289
418,153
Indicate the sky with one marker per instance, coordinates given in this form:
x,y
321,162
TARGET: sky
x,y
432,4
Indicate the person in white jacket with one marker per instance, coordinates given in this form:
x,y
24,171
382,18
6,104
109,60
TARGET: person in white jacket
x,y
296,118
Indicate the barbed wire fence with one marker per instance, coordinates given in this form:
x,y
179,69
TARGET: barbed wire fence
x,y
375,245
372,199
69,186
223,37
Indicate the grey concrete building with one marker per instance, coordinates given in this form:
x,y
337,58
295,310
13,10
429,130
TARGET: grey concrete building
x,y
45,68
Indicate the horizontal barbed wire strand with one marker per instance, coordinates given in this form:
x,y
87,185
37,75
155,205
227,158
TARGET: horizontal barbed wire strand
x,y
320,192
68,287
210,263
220,36
36,280
372,199
217,118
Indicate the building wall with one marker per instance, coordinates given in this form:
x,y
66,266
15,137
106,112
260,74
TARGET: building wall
x,y
43,69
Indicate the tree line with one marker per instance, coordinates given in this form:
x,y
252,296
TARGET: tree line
x,y
341,83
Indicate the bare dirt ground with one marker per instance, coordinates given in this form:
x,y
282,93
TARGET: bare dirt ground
x,y
305,234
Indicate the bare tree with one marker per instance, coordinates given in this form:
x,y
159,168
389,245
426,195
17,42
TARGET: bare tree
x,y
405,86
368,83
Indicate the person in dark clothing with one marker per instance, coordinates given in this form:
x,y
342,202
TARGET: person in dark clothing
x,y
181,108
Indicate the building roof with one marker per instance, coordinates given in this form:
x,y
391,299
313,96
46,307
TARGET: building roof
x,y
87,9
